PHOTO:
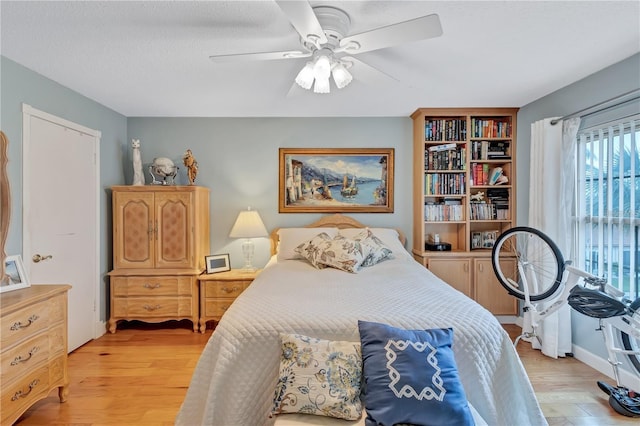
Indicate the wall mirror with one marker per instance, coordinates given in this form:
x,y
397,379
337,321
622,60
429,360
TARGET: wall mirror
x,y
5,206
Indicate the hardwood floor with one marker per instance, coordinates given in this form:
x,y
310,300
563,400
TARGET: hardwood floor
x,y
139,376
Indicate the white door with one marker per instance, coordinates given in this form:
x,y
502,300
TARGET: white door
x,y
60,213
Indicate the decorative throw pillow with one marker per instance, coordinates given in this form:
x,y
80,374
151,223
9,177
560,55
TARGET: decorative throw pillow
x,y
320,377
312,250
290,238
410,376
344,253
378,251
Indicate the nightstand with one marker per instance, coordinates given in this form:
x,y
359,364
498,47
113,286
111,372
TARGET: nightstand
x,y
218,291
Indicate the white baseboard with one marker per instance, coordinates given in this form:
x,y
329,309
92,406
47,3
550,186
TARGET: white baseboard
x,y
100,329
627,378
507,319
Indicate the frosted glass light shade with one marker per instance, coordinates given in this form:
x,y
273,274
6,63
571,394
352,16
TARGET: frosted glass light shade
x,y
305,76
341,76
322,85
322,67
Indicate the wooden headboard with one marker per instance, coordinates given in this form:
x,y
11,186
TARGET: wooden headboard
x,y
333,221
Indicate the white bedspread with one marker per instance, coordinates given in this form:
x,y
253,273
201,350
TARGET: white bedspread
x,y
235,377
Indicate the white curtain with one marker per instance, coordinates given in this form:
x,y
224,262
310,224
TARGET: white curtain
x,y
551,195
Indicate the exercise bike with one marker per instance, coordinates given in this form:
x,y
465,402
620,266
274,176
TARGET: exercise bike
x,y
545,282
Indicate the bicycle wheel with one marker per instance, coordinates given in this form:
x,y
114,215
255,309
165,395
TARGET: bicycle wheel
x,y
632,344
539,262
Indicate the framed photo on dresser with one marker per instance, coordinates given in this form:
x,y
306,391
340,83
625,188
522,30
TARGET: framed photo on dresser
x,y
15,277
217,263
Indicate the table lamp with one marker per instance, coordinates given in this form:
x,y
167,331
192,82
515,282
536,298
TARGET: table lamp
x,y
248,225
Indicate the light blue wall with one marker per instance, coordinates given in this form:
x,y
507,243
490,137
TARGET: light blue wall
x,y
20,85
238,160
238,157
603,85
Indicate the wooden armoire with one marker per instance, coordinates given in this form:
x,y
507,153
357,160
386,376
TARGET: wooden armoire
x,y
160,240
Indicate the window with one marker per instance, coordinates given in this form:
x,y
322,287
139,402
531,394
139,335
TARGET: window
x,y
608,202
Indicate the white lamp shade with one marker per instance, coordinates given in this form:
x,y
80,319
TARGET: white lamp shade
x,y
322,67
248,225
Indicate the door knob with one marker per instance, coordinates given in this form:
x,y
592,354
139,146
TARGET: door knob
x,y
38,257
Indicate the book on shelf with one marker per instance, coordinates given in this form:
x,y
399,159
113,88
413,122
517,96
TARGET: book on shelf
x,y
445,147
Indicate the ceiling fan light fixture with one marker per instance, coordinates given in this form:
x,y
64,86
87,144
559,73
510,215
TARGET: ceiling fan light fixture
x,y
322,85
322,67
341,76
306,76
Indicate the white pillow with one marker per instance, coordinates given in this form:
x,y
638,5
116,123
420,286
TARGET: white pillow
x,y
389,237
290,238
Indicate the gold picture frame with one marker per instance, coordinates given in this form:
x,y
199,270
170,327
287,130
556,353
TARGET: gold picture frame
x,y
336,180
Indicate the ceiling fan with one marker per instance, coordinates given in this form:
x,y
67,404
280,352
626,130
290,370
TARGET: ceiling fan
x,y
324,38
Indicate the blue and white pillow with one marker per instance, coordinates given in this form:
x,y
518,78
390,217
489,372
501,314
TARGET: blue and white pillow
x,y
410,376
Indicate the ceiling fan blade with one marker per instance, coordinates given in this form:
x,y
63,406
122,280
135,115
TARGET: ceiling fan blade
x,y
367,74
265,56
301,16
392,35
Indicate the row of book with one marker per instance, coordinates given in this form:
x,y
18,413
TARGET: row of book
x,y
490,128
488,211
443,212
445,157
483,174
499,197
444,183
445,130
490,150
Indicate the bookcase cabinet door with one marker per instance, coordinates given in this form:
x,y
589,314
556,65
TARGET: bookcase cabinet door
x,y
455,272
488,291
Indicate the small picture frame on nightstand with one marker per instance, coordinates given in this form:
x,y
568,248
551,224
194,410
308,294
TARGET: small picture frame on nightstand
x,y
217,263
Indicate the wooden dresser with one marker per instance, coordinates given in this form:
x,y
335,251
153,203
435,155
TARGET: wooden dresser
x,y
160,239
33,337
218,291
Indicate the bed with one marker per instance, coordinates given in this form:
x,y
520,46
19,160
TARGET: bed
x,y
237,373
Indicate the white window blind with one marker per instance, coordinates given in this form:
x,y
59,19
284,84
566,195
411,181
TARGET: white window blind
x,y
608,202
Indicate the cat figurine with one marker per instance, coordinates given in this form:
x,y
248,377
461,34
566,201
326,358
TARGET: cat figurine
x,y
138,177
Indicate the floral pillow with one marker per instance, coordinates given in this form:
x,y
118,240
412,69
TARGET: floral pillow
x,y
319,377
344,254
312,250
378,251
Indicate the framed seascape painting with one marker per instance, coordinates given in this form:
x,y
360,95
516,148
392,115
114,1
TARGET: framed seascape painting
x,y
328,180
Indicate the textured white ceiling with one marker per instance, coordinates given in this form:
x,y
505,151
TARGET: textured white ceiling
x,y
151,58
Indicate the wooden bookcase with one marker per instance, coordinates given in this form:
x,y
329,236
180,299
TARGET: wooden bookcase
x,y
455,153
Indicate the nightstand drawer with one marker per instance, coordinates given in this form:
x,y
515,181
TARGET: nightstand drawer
x,y
225,288
151,286
149,307
215,308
